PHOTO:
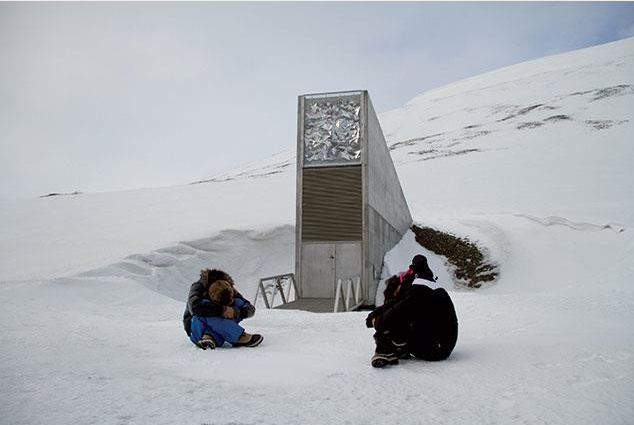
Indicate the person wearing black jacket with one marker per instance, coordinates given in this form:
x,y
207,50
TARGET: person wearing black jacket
x,y
415,319
208,324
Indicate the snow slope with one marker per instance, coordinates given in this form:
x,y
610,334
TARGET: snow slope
x,y
533,161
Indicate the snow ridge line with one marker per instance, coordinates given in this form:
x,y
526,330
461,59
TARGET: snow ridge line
x,y
561,221
170,270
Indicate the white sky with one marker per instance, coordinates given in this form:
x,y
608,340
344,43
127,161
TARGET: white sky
x,y
112,96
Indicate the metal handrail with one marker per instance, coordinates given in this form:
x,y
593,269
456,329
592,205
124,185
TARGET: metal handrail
x,y
351,282
278,288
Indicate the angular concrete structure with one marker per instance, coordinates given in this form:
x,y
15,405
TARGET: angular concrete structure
x,y
350,205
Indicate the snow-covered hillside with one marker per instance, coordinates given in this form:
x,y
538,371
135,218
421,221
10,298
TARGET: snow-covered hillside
x,y
521,139
533,161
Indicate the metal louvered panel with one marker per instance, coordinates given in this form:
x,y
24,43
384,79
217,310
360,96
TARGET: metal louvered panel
x,y
332,204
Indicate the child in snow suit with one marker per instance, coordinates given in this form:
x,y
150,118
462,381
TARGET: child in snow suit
x,y
417,318
214,309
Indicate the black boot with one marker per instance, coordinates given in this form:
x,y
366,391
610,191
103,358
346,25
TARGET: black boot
x,y
385,353
401,349
207,342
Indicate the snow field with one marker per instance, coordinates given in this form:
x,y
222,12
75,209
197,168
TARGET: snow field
x,y
535,350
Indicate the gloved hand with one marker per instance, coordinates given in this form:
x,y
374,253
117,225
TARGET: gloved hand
x,y
230,313
369,321
246,311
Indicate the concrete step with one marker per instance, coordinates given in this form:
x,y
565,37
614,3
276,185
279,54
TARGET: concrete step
x,y
315,305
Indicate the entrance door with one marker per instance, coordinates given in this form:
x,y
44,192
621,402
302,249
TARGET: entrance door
x,y
347,261
318,270
324,263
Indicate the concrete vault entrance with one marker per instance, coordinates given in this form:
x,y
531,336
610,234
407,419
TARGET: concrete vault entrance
x,y
350,205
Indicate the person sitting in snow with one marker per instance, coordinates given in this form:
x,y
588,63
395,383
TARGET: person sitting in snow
x,y
418,318
214,310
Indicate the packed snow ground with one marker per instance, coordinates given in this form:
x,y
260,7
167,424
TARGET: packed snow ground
x,y
92,286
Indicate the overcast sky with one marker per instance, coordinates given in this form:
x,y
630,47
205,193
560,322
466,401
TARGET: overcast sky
x,y
111,96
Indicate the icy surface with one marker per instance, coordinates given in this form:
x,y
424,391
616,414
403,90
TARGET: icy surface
x,y
92,285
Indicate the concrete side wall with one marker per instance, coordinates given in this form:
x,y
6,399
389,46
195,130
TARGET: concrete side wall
x,y
382,238
385,194
388,214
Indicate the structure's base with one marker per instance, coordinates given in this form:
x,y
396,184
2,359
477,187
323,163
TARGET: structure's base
x,y
316,305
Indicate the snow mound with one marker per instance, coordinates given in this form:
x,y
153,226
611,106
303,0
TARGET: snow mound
x,y
246,255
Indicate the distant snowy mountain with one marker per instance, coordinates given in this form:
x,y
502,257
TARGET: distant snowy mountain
x,y
533,162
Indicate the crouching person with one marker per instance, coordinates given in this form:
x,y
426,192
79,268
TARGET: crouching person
x,y
418,318
214,310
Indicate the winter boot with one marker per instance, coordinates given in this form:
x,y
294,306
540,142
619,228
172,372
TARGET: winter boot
x,y
249,340
207,342
401,350
380,360
385,353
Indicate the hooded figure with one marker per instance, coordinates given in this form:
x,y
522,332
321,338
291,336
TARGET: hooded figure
x,y
421,269
398,285
415,319
208,322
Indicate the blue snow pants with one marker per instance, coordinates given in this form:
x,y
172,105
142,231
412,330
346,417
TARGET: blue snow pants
x,y
220,328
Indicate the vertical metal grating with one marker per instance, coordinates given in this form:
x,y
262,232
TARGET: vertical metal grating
x,y
332,204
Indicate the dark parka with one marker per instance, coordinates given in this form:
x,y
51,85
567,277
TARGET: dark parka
x,y
423,317
196,307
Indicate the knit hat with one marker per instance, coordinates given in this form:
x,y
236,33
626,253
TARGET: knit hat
x,y
421,268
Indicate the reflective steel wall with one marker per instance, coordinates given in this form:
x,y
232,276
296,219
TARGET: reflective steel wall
x,y
332,130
